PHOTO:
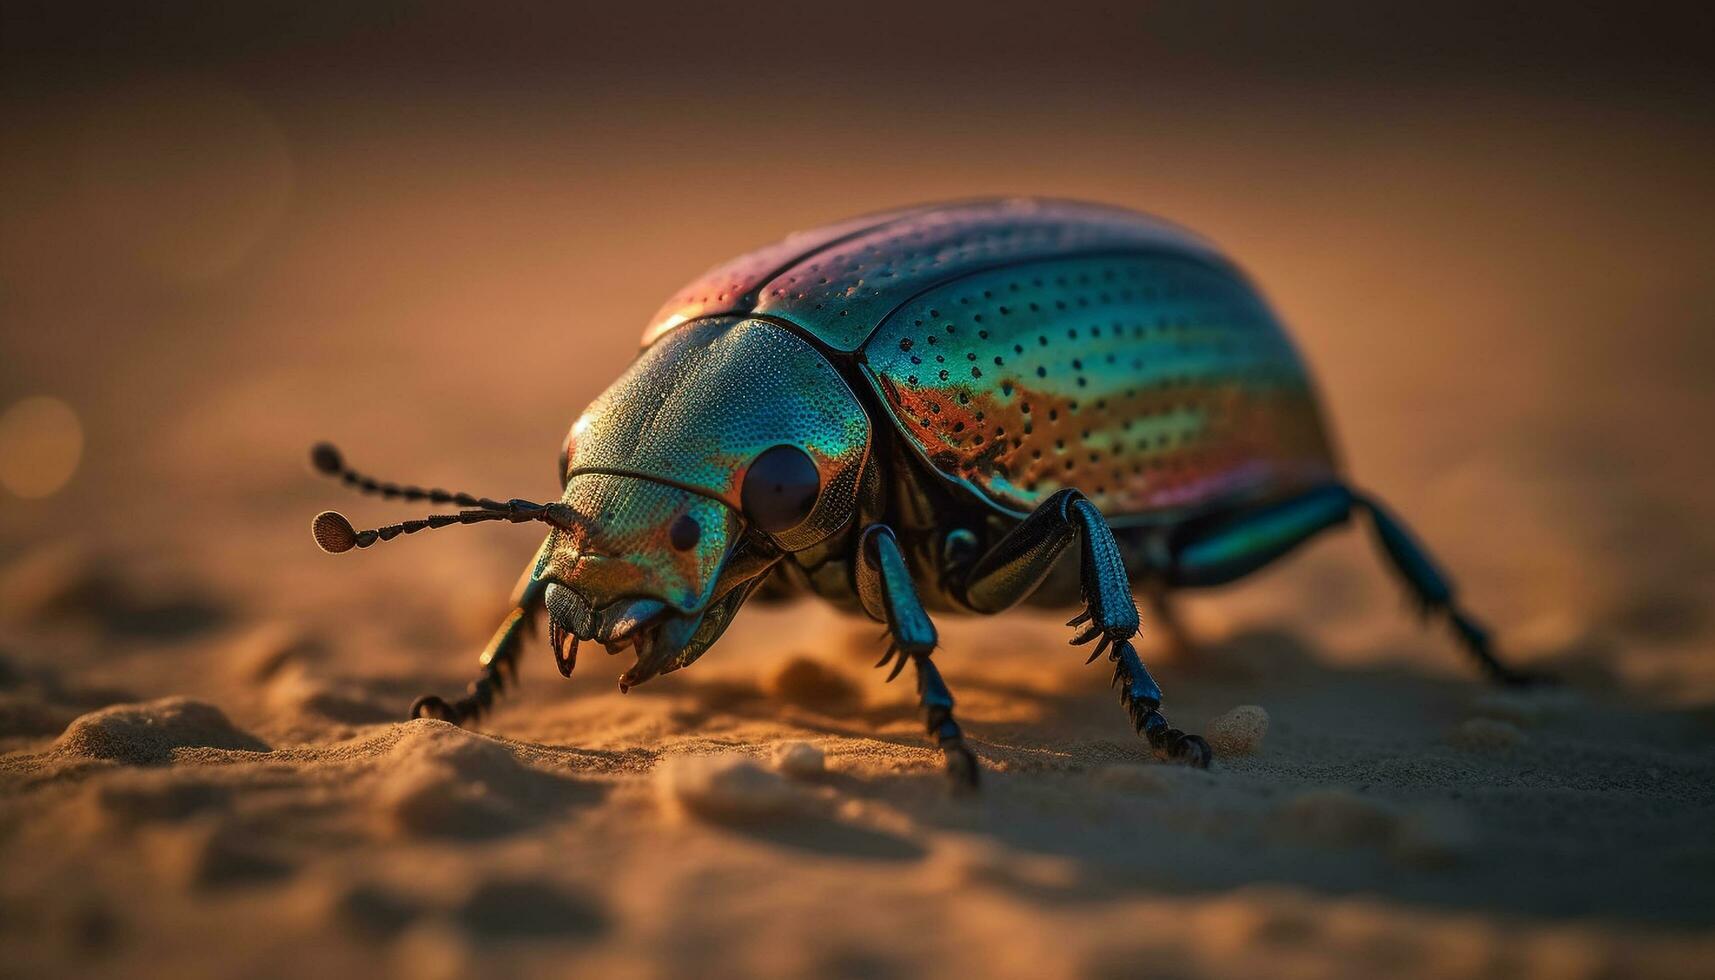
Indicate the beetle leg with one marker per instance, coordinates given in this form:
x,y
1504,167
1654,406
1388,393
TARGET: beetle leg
x,y
884,586
1434,591
499,659
1018,563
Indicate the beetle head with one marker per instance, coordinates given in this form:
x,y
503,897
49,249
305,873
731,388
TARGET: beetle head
x,y
727,444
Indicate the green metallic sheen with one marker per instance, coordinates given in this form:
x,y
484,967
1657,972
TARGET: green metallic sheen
x,y
1159,385
696,408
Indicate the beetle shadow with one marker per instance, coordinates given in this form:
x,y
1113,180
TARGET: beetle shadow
x,y
742,699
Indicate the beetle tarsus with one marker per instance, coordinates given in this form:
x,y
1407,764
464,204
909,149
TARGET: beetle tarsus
x,y
478,700
937,702
432,706
1475,638
499,669
1141,697
1188,750
963,773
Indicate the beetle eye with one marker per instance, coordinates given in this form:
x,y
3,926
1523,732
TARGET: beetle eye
x,y
780,489
683,533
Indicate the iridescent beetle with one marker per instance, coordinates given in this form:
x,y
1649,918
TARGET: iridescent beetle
x,y
930,409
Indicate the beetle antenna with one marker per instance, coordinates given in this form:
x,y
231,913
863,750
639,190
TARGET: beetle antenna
x,y
335,535
328,460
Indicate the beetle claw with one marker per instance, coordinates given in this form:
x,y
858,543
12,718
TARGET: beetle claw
x,y
898,666
892,648
1101,648
1079,619
564,658
1090,632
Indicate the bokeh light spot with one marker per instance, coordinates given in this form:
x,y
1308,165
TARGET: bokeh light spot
x,y
41,443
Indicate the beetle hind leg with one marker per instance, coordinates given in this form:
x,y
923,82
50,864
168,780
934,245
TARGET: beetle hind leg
x,y
1434,592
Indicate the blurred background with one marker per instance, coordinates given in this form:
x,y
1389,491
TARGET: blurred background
x,y
433,232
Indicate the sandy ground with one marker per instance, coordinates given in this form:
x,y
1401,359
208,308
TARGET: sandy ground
x,y
201,768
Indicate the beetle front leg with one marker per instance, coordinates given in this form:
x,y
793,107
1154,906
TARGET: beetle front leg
x,y
499,659
885,588
1015,566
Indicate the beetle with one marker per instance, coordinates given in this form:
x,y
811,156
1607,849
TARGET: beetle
x,y
946,408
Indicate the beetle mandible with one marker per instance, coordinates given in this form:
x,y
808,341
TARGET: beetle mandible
x,y
933,409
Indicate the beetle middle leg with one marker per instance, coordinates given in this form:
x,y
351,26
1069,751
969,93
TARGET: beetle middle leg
x,y
888,595
1019,562
499,659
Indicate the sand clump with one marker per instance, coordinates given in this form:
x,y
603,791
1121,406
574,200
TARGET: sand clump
x,y
727,787
1239,731
152,732
442,781
1486,735
810,684
799,760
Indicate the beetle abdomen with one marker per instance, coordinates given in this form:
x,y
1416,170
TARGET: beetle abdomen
x,y
1158,384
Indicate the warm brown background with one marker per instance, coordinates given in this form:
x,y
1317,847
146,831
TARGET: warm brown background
x,y
435,233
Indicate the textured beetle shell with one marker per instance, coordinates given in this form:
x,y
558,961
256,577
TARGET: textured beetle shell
x,y
838,282
735,285
1155,384
620,547
699,406
1023,346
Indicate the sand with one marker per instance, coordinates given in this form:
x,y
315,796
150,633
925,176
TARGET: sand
x,y
1389,822
203,766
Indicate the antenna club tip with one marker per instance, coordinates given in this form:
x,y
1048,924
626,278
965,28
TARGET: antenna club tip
x,y
325,457
333,533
